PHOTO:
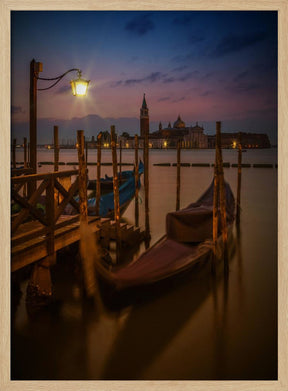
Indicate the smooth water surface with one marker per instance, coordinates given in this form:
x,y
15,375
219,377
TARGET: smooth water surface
x,y
199,328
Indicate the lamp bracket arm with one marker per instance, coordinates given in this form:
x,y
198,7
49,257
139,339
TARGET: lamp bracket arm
x,y
58,78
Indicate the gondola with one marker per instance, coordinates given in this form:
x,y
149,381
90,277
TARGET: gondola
x,y
187,243
126,194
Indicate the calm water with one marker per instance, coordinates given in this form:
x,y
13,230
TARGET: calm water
x,y
200,328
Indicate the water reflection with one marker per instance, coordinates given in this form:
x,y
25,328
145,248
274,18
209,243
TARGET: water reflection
x,y
197,328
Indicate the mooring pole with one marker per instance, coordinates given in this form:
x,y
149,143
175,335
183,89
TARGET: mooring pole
x,y
222,197
116,192
25,152
146,185
178,174
86,248
56,149
215,207
136,182
86,151
239,178
28,150
82,176
120,160
25,164
98,177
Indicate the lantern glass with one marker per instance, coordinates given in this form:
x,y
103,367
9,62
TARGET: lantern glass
x,y
79,87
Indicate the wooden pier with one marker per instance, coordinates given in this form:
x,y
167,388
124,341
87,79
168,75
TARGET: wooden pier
x,y
40,228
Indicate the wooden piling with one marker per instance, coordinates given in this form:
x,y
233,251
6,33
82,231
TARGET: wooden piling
x,y
14,153
86,151
120,160
222,196
136,182
215,210
25,152
178,174
86,251
239,178
82,177
146,185
25,164
116,192
98,177
56,149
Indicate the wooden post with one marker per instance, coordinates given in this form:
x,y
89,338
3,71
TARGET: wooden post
x,y
239,178
28,150
14,153
88,252
146,185
25,164
56,149
98,177
40,285
35,68
178,174
136,182
82,177
86,151
50,212
120,160
222,193
116,191
215,208
25,152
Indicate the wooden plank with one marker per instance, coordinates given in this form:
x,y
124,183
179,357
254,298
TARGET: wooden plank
x,y
38,177
25,237
20,171
36,249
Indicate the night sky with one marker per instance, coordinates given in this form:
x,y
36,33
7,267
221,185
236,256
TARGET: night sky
x,y
204,65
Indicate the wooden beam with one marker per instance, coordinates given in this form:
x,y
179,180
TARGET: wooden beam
x,y
82,176
98,178
222,196
116,191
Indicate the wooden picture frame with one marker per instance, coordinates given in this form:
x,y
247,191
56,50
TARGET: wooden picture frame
x,y
6,7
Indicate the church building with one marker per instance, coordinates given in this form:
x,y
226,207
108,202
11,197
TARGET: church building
x,y
190,136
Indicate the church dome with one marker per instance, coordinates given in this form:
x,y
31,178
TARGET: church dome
x,y
179,123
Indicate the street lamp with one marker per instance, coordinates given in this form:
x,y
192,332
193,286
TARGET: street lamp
x,y
79,88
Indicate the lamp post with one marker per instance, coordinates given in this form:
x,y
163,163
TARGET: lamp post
x,y
79,88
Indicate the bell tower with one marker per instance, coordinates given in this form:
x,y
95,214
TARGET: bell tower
x,y
144,118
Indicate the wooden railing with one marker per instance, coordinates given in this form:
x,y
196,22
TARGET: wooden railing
x,y
50,184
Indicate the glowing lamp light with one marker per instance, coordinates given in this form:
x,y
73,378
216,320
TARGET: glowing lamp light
x,y
79,86
234,144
